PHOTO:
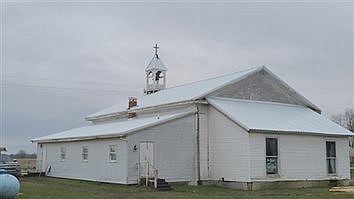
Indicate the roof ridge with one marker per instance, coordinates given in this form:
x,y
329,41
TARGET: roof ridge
x,y
224,75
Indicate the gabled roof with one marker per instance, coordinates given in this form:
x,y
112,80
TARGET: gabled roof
x,y
193,91
112,129
256,116
156,64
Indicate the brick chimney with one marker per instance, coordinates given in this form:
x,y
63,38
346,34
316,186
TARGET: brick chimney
x,y
132,102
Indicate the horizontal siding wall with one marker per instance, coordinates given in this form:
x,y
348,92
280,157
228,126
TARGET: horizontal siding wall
x,y
229,149
40,164
97,168
174,149
301,157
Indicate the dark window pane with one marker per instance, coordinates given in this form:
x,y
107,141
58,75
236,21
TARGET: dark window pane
x,y
271,147
331,149
331,166
272,165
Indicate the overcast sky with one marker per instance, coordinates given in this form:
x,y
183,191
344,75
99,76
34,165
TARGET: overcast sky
x,y
63,61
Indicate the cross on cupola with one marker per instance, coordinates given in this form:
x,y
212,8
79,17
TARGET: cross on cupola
x,y
155,74
156,48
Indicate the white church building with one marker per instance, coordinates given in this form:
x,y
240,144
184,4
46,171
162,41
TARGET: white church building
x,y
247,130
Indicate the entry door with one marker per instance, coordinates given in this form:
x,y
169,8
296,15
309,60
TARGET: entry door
x,y
146,155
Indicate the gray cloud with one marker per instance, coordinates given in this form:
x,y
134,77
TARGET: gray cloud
x,y
91,47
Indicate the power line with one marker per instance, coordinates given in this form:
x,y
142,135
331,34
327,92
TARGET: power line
x,y
9,85
66,81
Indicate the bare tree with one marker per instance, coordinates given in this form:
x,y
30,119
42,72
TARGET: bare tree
x,y
349,114
346,120
21,154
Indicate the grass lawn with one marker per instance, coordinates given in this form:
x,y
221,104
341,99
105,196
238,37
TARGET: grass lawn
x,y
43,187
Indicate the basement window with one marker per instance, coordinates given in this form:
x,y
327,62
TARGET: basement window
x,y
331,157
85,153
272,155
113,153
62,153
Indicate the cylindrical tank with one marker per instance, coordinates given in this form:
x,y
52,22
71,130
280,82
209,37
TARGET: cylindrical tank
x,y
9,185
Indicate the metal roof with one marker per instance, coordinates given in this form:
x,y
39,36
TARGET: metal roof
x,y
156,64
191,91
194,91
256,116
112,129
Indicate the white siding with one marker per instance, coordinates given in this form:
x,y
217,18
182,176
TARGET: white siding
x,y
229,149
343,160
40,161
260,86
174,150
301,157
98,167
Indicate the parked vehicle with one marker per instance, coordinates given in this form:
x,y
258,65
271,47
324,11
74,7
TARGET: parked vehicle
x,y
10,165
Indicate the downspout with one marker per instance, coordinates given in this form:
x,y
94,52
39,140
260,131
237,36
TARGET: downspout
x,y
198,145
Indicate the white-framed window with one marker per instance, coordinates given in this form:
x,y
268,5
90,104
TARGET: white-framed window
x,y
331,157
63,153
272,156
85,151
113,153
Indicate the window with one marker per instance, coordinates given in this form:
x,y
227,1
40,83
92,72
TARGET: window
x,y
62,153
331,157
272,155
113,153
85,153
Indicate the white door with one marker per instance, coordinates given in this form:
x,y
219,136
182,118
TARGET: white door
x,y
146,155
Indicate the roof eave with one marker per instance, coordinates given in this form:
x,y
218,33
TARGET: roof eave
x,y
139,110
74,139
326,134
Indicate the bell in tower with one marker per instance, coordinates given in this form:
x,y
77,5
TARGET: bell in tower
x,y
155,74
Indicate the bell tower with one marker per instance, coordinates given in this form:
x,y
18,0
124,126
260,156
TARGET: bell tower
x,y
155,74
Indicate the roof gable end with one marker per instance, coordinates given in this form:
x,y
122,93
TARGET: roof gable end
x,y
264,86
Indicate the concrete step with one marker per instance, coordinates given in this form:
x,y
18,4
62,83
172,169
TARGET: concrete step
x,y
162,185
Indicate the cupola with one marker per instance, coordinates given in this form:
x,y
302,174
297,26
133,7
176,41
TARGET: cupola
x,y
155,74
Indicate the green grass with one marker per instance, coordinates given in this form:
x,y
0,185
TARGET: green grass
x,y
53,188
